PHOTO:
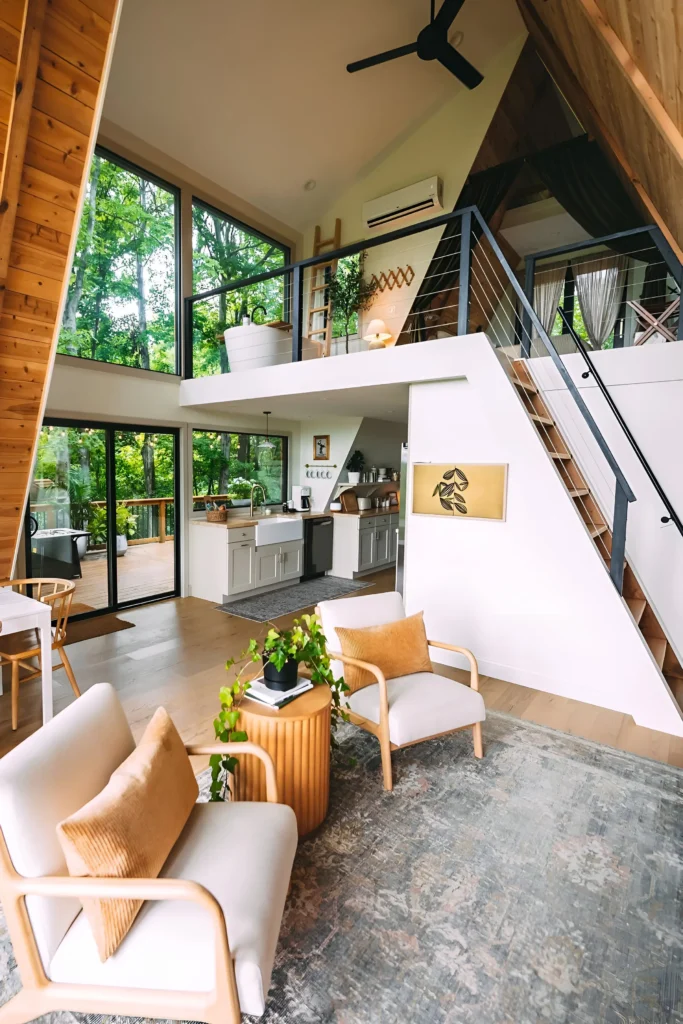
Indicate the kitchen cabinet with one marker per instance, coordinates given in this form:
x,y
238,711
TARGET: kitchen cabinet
x,y
225,563
363,543
240,567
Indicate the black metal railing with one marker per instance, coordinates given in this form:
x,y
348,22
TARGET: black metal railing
x,y
473,288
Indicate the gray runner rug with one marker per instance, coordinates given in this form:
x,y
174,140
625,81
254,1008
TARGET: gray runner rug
x,y
264,607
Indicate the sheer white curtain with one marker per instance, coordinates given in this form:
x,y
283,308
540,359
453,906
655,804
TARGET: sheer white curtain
x,y
599,286
548,291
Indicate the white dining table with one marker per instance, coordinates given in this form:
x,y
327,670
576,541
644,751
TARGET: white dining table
x,y
18,613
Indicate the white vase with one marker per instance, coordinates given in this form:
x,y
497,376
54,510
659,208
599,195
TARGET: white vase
x,y
354,478
121,545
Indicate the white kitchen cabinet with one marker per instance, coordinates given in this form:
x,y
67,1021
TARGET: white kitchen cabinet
x,y
268,570
291,560
363,543
366,550
240,567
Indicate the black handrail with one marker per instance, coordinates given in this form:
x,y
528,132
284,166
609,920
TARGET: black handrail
x,y
673,515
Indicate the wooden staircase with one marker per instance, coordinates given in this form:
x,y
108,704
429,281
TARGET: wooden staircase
x,y
577,488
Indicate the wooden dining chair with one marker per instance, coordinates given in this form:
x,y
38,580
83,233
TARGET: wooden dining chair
x,y
59,595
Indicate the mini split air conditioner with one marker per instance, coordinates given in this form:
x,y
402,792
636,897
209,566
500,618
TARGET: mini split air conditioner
x,y
422,197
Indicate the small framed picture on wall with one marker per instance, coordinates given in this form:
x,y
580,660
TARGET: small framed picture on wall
x,y
321,447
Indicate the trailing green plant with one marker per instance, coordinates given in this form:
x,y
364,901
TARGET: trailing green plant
x,y
356,463
306,644
79,504
226,722
449,490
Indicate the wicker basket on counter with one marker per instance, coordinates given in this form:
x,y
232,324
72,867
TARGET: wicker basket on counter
x,y
217,515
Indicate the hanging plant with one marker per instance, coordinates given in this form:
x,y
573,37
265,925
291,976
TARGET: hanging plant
x,y
450,488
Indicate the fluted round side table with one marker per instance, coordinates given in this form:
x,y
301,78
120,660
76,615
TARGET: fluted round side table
x,y
297,737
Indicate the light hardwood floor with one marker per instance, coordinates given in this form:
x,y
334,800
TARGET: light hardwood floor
x,y
176,657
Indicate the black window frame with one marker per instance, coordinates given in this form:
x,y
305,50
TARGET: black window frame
x,y
175,191
196,513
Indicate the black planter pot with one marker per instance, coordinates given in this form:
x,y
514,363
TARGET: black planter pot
x,y
280,680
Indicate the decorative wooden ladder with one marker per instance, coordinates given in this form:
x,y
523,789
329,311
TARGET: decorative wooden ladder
x,y
319,305
641,610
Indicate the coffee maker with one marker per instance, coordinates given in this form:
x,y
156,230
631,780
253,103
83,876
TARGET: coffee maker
x,y
301,498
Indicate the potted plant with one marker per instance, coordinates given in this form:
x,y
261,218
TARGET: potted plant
x,y
305,644
355,466
126,523
350,293
97,526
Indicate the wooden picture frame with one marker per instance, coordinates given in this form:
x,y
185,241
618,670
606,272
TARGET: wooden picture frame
x,y
321,447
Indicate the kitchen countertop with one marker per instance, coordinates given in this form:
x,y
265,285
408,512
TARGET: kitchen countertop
x,y
240,522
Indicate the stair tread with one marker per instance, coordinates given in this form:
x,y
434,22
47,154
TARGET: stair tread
x,y
637,606
559,455
658,648
578,492
524,385
545,420
596,531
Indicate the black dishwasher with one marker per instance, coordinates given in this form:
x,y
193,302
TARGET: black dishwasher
x,y
317,546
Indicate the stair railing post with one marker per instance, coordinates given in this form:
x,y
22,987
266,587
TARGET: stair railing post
x,y
616,565
297,314
529,275
465,267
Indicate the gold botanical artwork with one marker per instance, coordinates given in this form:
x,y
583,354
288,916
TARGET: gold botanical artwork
x,y
475,491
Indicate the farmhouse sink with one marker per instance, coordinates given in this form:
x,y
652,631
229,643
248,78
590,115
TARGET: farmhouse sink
x,y
278,529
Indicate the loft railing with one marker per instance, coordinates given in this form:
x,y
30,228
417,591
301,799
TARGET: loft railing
x,y
465,284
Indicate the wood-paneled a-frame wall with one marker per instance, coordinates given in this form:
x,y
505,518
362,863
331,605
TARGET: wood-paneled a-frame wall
x,y
54,56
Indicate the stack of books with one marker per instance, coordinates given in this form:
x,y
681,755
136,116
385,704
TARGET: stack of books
x,y
276,699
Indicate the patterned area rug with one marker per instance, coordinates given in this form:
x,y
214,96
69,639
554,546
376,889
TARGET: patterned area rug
x,y
265,607
542,885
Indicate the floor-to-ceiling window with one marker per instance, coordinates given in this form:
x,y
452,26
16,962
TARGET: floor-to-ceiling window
x,y
102,512
224,250
226,465
123,289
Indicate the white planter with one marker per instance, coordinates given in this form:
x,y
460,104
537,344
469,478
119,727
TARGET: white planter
x,y
250,346
121,545
354,478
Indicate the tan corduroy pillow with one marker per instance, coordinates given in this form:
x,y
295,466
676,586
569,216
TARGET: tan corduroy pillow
x,y
397,648
129,829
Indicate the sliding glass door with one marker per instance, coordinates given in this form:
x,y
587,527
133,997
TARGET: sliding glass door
x,y
102,513
145,497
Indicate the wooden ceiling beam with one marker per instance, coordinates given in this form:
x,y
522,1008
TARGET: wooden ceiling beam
x,y
17,136
636,79
584,110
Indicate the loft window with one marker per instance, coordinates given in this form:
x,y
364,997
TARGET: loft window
x,y
225,465
224,250
123,290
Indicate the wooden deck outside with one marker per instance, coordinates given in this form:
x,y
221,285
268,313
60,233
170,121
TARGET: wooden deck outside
x,y
144,570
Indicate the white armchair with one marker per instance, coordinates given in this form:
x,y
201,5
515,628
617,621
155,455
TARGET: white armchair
x,y
201,948
411,708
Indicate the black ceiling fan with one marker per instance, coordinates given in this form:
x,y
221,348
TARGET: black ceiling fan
x,y
432,44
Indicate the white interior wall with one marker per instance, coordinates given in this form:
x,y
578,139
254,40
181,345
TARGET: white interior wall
x,y
342,431
646,383
380,442
530,595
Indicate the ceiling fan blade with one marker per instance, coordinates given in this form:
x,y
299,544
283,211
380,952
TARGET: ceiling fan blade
x,y
457,65
382,58
447,14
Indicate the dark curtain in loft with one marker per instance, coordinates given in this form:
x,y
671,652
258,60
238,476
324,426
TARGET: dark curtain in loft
x,y
583,182
485,190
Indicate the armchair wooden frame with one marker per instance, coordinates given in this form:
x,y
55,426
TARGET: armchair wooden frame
x,y
381,729
39,995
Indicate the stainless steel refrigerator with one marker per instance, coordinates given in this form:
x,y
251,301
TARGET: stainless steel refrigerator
x,y
401,531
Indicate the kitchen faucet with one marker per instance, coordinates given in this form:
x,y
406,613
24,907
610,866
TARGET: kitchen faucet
x,y
251,498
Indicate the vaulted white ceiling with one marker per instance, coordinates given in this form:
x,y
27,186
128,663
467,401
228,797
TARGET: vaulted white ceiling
x,y
254,94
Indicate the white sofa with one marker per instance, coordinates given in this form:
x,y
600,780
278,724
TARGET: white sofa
x,y
202,947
